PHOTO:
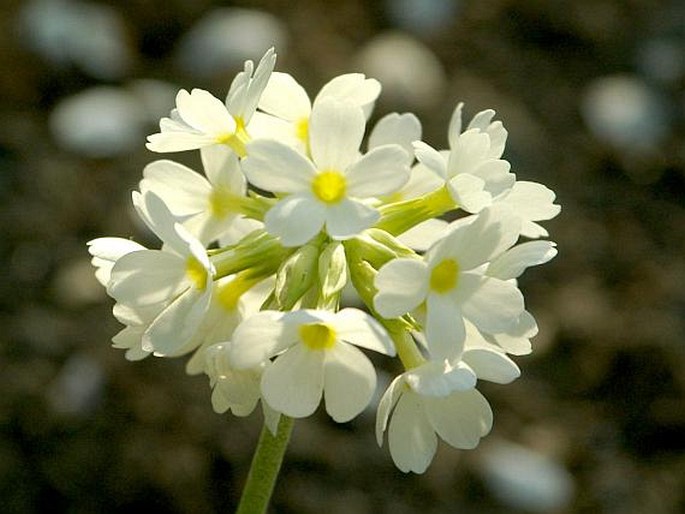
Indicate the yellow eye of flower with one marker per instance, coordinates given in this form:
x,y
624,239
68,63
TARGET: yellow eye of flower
x,y
221,203
444,276
302,129
317,336
196,272
329,186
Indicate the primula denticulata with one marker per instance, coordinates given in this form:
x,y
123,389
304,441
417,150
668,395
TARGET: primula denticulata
x,y
292,205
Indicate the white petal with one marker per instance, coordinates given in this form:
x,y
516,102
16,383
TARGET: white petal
x,y
178,141
402,285
468,192
495,306
513,262
495,173
454,130
532,201
387,404
258,338
335,133
491,365
431,158
295,219
411,438
352,87
157,216
285,98
471,150
294,382
493,231
440,378
106,251
273,166
445,332
460,419
424,235
349,382
146,277
222,168
361,329
183,190
402,129
203,111
517,339
482,120
348,218
176,324
380,172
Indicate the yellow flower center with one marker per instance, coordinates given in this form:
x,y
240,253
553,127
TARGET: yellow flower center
x,y
229,291
302,129
329,186
444,276
196,273
221,203
317,336
237,139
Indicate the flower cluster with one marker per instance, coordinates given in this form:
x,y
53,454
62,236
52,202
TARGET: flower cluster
x,y
293,205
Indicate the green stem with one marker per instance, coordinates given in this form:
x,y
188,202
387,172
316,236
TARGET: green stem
x,y
264,469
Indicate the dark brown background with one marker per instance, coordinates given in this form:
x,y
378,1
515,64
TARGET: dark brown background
x,y
601,398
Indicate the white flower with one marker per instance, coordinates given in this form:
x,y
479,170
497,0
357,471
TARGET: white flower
x,y
460,418
531,202
106,251
209,205
234,299
177,279
472,170
451,282
316,356
200,119
328,190
285,99
438,398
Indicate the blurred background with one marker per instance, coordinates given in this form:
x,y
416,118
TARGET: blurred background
x,y
593,95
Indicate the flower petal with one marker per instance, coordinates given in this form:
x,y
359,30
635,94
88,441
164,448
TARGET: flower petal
x,y
203,111
494,306
183,190
431,158
402,129
402,285
492,365
349,382
335,133
258,338
348,218
273,166
380,172
352,87
285,97
147,277
360,329
513,262
175,325
411,438
460,419
445,331
493,231
295,219
293,384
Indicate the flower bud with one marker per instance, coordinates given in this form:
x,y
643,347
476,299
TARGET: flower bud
x,y
297,275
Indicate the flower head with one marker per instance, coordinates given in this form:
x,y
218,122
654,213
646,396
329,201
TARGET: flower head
x,y
316,354
332,188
